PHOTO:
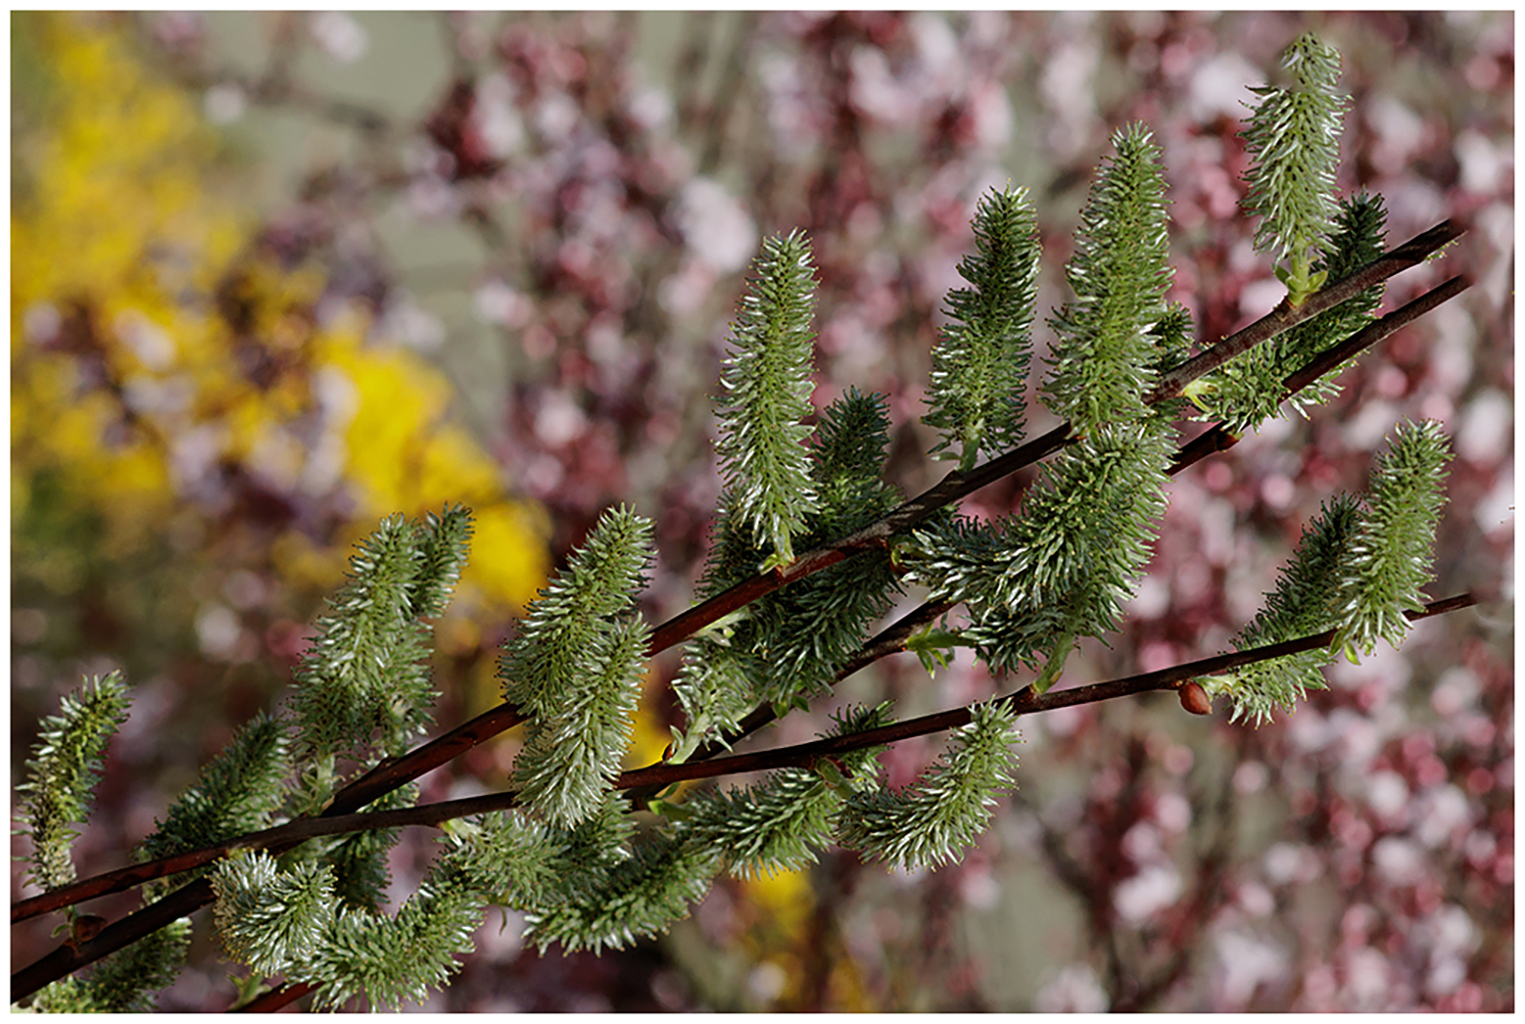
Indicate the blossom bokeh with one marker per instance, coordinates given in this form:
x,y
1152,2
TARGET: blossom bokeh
x,y
275,276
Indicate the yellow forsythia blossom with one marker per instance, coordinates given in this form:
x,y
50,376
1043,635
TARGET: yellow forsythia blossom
x,y
126,380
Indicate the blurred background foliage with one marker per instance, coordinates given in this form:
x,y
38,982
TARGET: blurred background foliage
x,y
275,276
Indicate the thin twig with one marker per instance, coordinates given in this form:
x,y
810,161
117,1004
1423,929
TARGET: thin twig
x,y
956,486
1210,441
951,488
378,782
269,1002
1411,253
396,772
1218,439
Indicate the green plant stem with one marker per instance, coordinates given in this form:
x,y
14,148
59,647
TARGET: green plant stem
x,y
1055,663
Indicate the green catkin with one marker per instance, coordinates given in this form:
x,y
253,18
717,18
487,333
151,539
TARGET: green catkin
x,y
933,821
1304,602
576,668
364,682
1390,557
573,609
765,397
1105,355
268,918
786,647
1078,551
62,774
1358,568
1293,139
1250,389
783,822
979,365
572,754
237,792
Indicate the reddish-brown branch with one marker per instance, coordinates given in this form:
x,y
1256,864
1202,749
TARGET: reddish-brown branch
x,y
802,755
1217,439
956,485
1411,253
390,775
951,488
276,999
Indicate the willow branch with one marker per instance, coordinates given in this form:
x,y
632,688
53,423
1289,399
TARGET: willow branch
x,y
1213,440
269,1002
390,775
1217,439
951,488
1411,253
957,485
802,755
70,957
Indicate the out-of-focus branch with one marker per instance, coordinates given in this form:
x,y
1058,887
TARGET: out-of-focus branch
x,y
719,112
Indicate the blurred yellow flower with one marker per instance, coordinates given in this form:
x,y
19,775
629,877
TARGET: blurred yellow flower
x,y
136,299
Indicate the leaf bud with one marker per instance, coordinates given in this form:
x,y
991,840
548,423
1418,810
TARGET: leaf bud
x,y
1195,699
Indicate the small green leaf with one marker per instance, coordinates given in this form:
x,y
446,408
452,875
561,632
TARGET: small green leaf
x,y
667,809
934,647
832,775
780,559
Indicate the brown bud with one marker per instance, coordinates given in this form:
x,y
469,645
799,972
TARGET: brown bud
x,y
86,927
1195,699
